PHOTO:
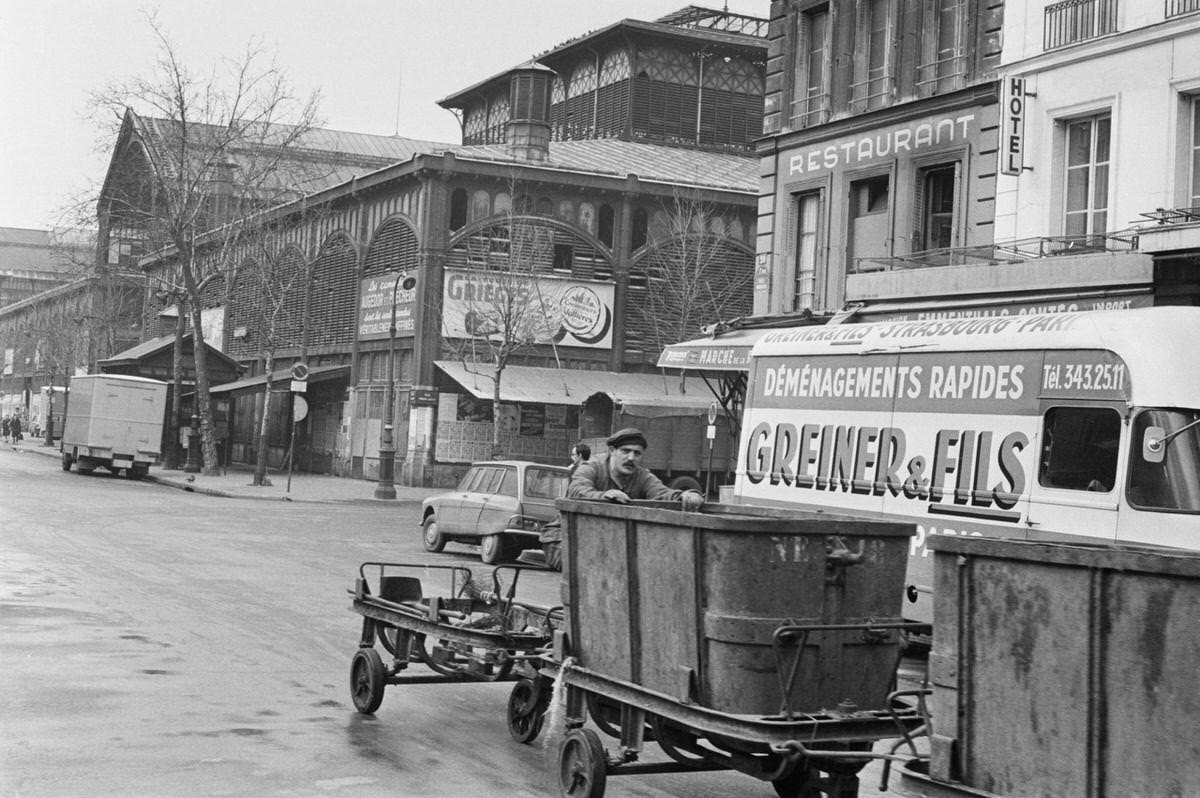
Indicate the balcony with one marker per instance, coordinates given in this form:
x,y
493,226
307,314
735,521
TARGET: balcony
x,y
1026,249
1174,230
1076,21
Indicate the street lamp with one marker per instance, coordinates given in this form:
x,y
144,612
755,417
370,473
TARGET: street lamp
x,y
386,489
173,453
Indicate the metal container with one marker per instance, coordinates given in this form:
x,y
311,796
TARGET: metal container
x,y
1065,669
688,604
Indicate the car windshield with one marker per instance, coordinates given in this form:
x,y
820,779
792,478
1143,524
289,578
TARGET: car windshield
x,y
1174,483
545,483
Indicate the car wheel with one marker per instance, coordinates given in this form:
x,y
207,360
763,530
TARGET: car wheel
x,y
494,549
430,536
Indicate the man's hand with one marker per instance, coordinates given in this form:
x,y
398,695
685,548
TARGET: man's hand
x,y
691,501
614,495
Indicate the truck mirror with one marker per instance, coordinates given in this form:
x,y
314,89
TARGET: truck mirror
x,y
1154,444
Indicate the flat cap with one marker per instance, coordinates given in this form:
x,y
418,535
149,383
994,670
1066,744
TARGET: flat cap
x,y
624,436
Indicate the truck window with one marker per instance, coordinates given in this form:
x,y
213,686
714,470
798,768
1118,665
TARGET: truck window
x,y
1079,448
1173,484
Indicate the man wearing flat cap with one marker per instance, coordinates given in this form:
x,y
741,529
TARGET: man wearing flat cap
x,y
619,476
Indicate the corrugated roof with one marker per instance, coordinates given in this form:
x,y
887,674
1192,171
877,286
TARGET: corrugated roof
x,y
656,162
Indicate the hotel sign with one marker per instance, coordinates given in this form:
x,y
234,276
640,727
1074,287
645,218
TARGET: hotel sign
x,y
1012,142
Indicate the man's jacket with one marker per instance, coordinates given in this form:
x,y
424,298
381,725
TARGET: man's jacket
x,y
592,479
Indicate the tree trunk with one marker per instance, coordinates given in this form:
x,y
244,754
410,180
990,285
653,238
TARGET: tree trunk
x,y
200,355
260,456
497,449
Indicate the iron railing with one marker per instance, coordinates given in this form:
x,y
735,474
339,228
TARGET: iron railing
x,y
1177,8
1074,21
1025,249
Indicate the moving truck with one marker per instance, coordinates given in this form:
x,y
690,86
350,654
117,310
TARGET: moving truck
x,y
113,422
1076,427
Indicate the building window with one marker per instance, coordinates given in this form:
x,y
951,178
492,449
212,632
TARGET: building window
x,y
869,238
458,208
943,64
1074,21
1086,190
808,248
1194,192
937,190
641,229
604,230
872,86
810,93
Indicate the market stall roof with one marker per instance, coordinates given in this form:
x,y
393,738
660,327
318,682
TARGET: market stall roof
x,y
649,392
727,352
284,378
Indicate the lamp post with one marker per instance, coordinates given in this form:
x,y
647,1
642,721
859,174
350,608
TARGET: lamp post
x,y
386,488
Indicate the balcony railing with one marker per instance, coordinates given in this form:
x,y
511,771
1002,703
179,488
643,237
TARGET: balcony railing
x,y
1077,21
1166,216
1177,8
1023,250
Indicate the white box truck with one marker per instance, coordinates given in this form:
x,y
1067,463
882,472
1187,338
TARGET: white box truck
x,y
113,421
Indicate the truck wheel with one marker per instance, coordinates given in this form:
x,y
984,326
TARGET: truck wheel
x,y
685,483
66,462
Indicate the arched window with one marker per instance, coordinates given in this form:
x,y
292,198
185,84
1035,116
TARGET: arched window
x,y
641,228
458,208
605,225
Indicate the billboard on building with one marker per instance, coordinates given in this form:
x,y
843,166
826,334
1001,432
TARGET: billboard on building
x,y
547,309
375,307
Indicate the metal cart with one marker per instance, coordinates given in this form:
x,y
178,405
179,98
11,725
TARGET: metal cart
x,y
474,630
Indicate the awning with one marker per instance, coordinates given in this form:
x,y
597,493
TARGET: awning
x,y
640,394
728,352
283,377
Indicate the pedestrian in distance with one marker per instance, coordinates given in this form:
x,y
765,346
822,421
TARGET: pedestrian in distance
x,y
5,424
580,453
620,477
14,428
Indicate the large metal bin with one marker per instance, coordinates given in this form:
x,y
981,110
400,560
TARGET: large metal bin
x,y
1064,670
687,604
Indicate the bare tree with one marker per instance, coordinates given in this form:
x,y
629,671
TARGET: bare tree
x,y
270,284
224,146
502,310
694,275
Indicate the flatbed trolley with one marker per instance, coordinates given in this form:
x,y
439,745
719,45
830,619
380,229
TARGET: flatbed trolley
x,y
802,754
474,631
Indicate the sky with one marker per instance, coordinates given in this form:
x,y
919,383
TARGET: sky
x,y
379,65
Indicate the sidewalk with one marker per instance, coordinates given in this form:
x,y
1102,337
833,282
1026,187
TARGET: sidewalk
x,y
235,482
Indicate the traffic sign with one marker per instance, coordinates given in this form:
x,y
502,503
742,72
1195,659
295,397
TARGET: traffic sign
x,y
299,409
300,371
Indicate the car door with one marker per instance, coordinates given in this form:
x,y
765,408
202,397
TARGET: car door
x,y
501,503
451,515
542,486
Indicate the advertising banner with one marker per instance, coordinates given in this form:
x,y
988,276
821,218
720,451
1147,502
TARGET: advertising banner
x,y
476,304
375,307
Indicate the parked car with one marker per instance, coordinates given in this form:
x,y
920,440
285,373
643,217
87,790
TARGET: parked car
x,y
499,504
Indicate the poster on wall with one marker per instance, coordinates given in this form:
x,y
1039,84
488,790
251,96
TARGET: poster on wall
x,y
375,307
533,420
549,309
508,418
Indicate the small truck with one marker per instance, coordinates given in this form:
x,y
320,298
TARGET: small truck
x,y
115,422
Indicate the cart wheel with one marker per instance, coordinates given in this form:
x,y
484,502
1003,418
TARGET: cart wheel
x,y
367,680
582,767
526,711
494,549
430,536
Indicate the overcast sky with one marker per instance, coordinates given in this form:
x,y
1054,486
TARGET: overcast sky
x,y
360,54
